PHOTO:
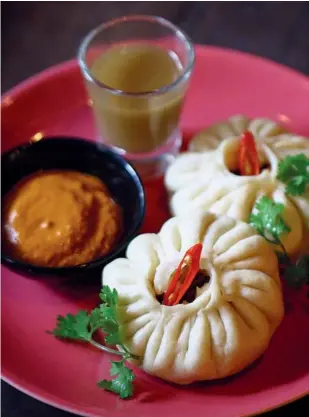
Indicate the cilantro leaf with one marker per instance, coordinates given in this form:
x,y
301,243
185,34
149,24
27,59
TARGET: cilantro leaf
x,y
96,320
111,328
267,219
293,170
74,327
80,326
108,310
109,303
83,325
108,296
123,383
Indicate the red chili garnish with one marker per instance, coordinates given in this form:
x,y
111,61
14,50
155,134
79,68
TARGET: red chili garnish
x,y
182,279
248,157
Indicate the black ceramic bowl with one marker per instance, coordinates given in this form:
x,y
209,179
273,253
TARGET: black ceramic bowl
x,y
85,156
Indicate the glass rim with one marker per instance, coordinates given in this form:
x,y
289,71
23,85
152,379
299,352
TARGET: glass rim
x,y
82,50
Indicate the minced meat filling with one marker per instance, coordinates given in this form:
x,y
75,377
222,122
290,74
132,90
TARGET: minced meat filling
x,y
200,279
263,167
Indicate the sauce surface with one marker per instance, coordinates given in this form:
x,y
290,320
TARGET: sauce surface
x,y
136,124
60,218
136,68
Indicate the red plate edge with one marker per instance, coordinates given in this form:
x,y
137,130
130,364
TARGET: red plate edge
x,y
50,400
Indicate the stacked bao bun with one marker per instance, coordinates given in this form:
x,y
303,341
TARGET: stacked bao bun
x,y
233,315
205,176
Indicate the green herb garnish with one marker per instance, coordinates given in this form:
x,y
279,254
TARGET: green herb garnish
x,y
267,219
82,327
123,383
294,172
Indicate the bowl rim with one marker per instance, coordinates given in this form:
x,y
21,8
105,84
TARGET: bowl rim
x,y
134,177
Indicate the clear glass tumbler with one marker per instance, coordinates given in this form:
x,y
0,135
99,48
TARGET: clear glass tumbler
x,y
136,71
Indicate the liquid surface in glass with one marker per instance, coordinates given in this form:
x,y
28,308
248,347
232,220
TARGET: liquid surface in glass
x,y
136,123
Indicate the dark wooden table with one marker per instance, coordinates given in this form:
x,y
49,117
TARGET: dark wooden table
x,y
36,35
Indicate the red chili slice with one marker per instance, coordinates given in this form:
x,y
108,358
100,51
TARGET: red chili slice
x,y
182,279
248,157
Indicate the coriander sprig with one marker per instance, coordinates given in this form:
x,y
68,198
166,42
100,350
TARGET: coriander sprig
x,y
123,383
293,170
82,327
267,219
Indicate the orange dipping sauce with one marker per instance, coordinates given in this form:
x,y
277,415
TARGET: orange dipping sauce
x,y
60,218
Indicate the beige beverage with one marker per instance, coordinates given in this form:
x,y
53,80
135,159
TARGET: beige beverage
x,y
132,120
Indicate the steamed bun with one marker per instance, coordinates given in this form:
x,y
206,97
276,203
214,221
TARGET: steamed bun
x,y
212,136
207,178
232,316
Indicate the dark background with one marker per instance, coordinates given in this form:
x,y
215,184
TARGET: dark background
x,y
36,35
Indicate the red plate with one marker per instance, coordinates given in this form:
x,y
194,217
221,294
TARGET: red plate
x,y
64,374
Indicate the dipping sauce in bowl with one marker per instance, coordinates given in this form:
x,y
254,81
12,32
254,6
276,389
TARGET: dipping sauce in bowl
x,y
78,203
60,218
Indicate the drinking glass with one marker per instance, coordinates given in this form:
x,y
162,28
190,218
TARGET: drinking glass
x,y
143,126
